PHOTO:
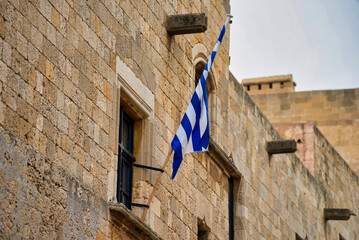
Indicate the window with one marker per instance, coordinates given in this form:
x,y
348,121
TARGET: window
x,y
259,86
198,73
211,96
231,207
203,230
297,237
270,85
199,69
131,139
248,87
125,159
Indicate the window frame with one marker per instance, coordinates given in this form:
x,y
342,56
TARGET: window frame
x,y
139,102
125,161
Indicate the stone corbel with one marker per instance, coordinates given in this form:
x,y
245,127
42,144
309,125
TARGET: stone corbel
x,y
281,146
337,214
186,23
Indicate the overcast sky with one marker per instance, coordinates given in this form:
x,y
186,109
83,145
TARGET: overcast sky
x,y
315,40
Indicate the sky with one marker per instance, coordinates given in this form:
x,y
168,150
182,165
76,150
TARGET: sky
x,y
317,41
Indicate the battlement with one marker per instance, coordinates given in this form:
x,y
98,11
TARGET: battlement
x,y
273,84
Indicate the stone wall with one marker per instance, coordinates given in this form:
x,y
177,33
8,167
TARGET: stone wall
x,y
302,133
328,167
340,182
60,76
334,112
40,200
66,67
279,197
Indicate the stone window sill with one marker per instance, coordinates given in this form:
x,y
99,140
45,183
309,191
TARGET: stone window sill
x,y
128,221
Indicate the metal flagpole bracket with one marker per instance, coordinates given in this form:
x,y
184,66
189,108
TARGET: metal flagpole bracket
x,y
140,205
148,167
230,18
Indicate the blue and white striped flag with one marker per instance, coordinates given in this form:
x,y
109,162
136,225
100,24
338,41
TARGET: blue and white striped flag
x,y
193,132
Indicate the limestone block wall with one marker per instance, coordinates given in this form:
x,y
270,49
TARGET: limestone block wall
x,y
41,200
329,168
303,133
279,197
59,89
334,173
334,112
67,66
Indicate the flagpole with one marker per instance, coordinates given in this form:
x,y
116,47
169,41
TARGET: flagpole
x,y
156,184
208,67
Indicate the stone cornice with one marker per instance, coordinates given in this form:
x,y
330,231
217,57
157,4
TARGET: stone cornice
x,y
222,159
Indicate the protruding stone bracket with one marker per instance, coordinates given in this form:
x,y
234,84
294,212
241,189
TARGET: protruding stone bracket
x,y
186,23
281,146
337,214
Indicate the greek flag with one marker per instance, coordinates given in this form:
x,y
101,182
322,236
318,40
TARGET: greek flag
x,y
193,132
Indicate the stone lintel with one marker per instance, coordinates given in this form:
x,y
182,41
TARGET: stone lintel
x,y
281,146
127,220
337,214
223,160
186,23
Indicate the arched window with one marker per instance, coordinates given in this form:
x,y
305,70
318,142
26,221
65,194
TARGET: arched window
x,y
198,73
210,84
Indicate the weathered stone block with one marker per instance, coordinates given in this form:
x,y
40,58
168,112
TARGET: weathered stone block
x,y
337,214
2,27
281,146
186,23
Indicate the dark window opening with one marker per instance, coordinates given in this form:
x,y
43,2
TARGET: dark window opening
x,y
297,237
209,84
259,86
248,87
270,85
203,230
231,208
198,74
125,159
281,84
